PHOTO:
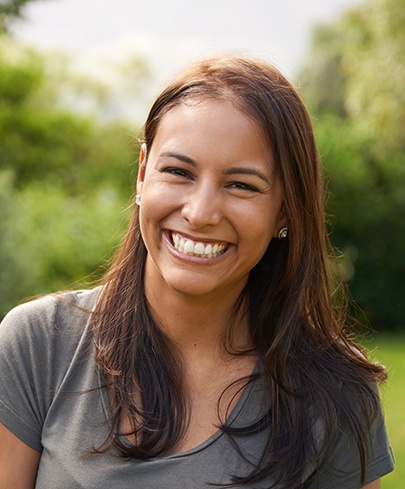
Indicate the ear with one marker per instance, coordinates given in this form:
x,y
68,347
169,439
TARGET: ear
x,y
141,169
282,222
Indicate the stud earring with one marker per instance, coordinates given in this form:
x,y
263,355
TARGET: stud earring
x,y
283,233
138,199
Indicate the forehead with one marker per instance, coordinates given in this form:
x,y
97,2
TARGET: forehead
x,y
214,135
210,119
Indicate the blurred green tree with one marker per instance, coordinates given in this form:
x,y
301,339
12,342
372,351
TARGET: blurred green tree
x,y
9,11
64,181
354,86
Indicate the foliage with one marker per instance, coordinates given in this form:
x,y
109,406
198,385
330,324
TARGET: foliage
x,y
51,240
10,10
54,162
64,181
353,84
390,350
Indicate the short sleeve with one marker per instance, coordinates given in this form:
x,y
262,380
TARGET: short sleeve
x,y
39,341
26,365
342,469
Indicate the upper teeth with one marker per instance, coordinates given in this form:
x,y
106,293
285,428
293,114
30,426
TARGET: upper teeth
x,y
190,247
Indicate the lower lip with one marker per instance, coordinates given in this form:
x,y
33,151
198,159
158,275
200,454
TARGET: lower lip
x,y
194,258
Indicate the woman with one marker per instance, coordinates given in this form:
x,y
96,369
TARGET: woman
x,y
212,355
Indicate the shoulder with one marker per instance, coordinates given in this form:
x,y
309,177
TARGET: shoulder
x,y
36,320
40,342
52,309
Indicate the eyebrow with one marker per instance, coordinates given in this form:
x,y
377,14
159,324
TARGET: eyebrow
x,y
228,171
180,157
246,171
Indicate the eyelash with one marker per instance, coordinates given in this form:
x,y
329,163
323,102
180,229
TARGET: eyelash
x,y
243,186
179,172
176,172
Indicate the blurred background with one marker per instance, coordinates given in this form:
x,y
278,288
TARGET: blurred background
x,y
77,78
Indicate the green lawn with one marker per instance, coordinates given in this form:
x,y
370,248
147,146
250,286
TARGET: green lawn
x,y
390,350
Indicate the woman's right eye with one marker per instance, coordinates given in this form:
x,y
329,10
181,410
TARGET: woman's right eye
x,y
179,172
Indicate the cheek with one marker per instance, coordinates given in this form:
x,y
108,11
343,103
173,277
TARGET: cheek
x,y
154,202
160,195
260,232
262,242
156,209
258,223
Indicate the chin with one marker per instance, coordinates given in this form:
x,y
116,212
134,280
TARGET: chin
x,y
193,289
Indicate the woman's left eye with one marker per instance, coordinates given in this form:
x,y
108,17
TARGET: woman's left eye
x,y
243,186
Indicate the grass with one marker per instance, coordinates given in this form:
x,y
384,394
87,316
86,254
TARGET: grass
x,y
390,350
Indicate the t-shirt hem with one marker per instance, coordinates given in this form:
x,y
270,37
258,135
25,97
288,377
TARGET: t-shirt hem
x,y
379,468
20,429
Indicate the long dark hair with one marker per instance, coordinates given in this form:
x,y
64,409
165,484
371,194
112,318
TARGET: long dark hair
x,y
298,325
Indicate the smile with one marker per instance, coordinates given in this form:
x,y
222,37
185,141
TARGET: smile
x,y
193,248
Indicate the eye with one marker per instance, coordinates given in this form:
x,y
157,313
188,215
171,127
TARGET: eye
x,y
178,172
242,186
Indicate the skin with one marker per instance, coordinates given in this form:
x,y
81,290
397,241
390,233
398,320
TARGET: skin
x,y
18,461
209,176
373,485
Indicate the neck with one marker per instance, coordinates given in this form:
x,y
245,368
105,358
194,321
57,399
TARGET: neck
x,y
198,325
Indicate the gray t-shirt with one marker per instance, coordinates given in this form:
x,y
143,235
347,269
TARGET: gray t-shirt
x,y
47,363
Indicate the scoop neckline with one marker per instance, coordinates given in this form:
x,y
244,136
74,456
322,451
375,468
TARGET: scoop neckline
x,y
234,414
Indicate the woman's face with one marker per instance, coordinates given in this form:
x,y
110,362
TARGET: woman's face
x,y
210,200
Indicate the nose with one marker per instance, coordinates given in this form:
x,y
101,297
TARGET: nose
x,y
203,206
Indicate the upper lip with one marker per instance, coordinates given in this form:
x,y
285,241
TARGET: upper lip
x,y
197,239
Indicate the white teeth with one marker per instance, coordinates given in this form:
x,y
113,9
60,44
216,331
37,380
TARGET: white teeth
x,y
199,249
189,247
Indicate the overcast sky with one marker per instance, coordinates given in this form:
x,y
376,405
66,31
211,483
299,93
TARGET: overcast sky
x,y
171,33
